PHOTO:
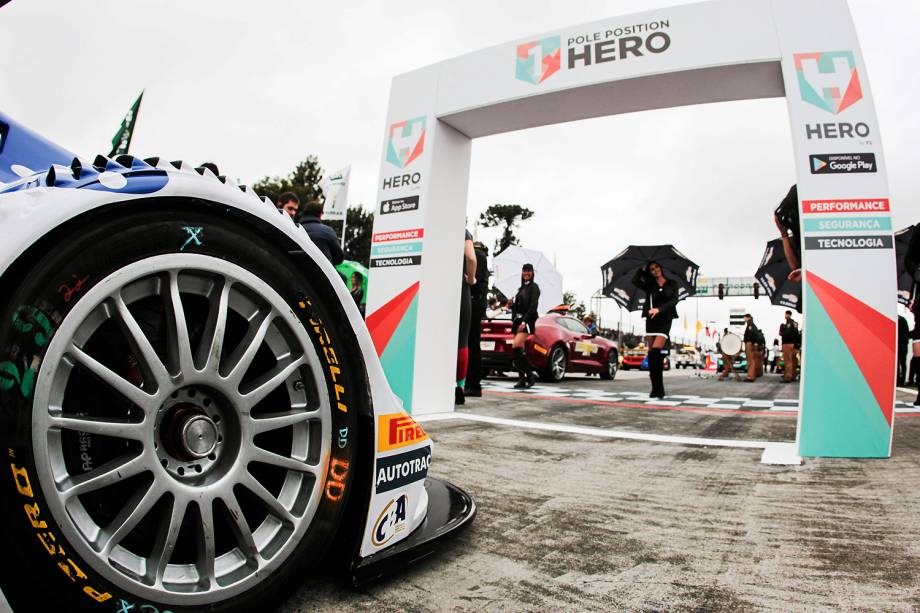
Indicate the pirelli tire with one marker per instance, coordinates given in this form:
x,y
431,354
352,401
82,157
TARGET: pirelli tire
x,y
179,406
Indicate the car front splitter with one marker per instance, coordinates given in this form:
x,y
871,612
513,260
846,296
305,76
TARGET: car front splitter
x,y
450,510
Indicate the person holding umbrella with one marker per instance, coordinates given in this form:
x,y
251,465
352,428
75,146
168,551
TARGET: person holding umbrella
x,y
912,267
659,311
523,322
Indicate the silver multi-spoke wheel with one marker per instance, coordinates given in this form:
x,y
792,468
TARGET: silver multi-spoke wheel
x,y
558,363
181,429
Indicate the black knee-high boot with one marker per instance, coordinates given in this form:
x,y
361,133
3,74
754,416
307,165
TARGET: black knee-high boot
x,y
526,376
655,372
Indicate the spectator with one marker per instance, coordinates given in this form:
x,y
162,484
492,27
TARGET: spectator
x,y
289,203
468,279
478,293
903,342
357,290
590,325
774,355
495,308
789,333
752,337
761,350
322,235
728,361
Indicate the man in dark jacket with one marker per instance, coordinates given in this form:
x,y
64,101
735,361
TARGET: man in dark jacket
x,y
478,294
752,336
322,235
789,333
903,342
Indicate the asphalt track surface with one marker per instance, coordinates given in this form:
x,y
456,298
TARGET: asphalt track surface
x,y
584,522
596,522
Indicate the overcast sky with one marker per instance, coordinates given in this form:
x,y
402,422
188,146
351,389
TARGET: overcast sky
x,y
256,87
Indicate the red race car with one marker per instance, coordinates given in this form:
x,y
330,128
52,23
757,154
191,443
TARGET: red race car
x,y
561,344
636,358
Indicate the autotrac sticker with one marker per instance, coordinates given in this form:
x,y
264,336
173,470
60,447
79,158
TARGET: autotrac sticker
x,y
391,521
396,430
398,470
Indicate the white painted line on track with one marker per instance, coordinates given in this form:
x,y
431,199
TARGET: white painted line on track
x,y
908,390
601,432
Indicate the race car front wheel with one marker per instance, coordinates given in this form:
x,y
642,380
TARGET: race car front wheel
x,y
178,405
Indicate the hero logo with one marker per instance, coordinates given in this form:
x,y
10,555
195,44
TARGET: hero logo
x,y
538,60
830,82
406,141
392,521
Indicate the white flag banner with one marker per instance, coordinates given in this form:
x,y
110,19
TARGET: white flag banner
x,y
335,189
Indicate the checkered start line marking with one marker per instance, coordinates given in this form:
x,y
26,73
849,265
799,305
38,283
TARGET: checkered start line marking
x,y
729,403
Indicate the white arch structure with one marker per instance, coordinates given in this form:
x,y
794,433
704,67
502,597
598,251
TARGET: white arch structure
x,y
805,50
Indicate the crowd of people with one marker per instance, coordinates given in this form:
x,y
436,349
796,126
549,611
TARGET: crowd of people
x,y
659,310
324,238
782,357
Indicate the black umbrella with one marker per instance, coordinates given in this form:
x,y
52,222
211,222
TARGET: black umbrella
x,y
902,240
618,273
773,275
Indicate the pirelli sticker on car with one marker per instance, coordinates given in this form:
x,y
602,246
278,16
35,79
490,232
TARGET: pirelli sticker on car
x,y
397,430
402,469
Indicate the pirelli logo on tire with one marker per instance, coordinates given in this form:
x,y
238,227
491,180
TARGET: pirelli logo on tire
x,y
397,430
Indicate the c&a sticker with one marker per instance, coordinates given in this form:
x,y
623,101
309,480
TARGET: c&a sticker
x,y
392,521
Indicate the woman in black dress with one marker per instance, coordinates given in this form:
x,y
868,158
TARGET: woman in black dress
x,y
523,322
912,266
659,311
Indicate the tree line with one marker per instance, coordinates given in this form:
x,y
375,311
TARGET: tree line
x,y
304,181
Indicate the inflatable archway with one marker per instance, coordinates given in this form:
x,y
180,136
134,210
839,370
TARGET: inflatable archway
x,y
805,50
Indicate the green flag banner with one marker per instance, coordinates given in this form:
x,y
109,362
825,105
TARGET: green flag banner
x,y
122,139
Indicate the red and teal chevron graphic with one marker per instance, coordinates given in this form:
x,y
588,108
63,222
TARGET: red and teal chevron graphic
x,y
848,394
392,329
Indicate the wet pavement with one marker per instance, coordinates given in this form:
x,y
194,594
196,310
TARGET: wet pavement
x,y
579,522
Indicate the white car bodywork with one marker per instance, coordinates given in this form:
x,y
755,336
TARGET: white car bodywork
x,y
30,209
